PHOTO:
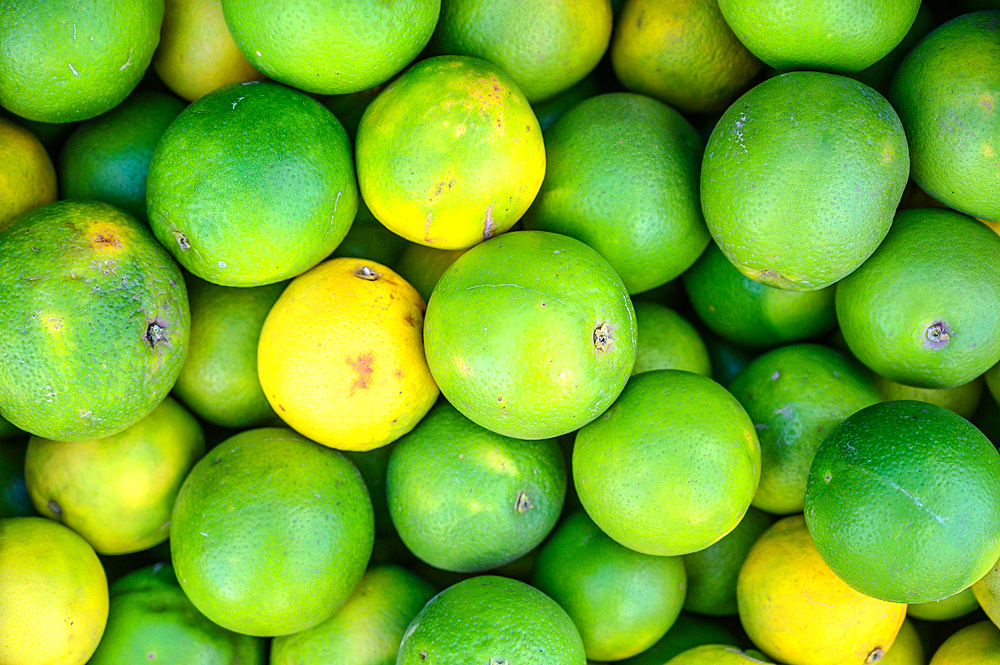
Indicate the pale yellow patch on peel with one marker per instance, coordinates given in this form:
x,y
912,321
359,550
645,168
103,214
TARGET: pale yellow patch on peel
x,y
52,322
988,150
987,101
498,461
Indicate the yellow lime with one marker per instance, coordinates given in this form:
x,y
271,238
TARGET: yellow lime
x,y
27,177
978,643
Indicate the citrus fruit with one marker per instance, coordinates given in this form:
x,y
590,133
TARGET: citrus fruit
x,y
841,36
682,53
728,359
196,53
752,314
902,499
62,61
450,481
621,601
107,158
218,380
151,620
952,607
906,649
14,498
714,654
554,107
340,357
924,310
422,266
367,629
27,177
687,632
962,399
54,599
530,334
491,619
879,75
373,465
978,643
666,340
271,532
252,184
368,239
987,592
796,395
545,47
947,94
622,176
449,154
712,572
331,47
350,107
671,466
801,177
93,321
785,592
117,491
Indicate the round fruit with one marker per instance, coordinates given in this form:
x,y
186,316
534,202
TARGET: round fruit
x,y
64,61
530,334
714,654
752,314
252,184
947,93
621,601
666,340
93,321
671,466
952,607
682,53
622,176
963,399
331,48
489,619
801,177
978,643
367,630
902,502
924,310
271,532
117,492
833,35
450,481
219,378
54,596
196,53
688,631
796,395
107,158
906,649
545,47
27,177
450,154
785,591
987,592
150,619
340,356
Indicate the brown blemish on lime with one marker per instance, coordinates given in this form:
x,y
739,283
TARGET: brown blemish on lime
x,y
156,332
408,320
363,366
986,101
281,407
103,237
875,655
182,241
488,227
55,508
603,339
366,273
522,503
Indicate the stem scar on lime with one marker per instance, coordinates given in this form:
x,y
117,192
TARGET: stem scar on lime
x,y
938,335
364,272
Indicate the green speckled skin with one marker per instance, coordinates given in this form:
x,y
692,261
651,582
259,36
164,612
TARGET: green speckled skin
x,y
83,289
510,334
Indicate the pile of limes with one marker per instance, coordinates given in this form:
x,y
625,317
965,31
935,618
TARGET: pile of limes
x,y
496,332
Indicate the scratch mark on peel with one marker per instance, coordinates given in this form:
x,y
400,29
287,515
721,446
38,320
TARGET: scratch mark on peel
x,y
488,227
515,286
335,203
237,102
70,65
810,600
427,227
74,31
127,62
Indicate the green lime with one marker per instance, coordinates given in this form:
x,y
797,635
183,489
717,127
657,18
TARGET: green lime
x,y
622,601
666,340
151,620
796,395
373,465
622,176
368,239
712,572
450,481
107,158
879,75
715,654
749,313
924,310
801,177
671,466
219,379
530,334
422,266
252,184
962,399
946,609
271,532
688,631
368,628
906,649
901,501
490,619
553,108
